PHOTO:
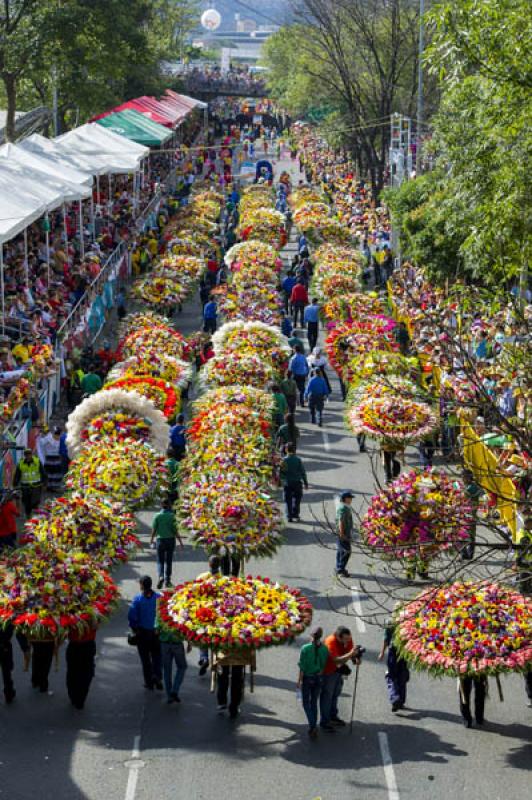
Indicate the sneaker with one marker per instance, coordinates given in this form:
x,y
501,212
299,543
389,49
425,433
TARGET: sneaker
x,y
396,706
160,583
168,584
203,668
328,728
170,700
221,708
338,722
175,697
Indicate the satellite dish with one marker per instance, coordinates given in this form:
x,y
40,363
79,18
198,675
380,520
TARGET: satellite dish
x,y
211,19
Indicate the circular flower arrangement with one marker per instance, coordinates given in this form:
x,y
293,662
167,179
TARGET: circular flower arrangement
x,y
229,613
129,472
227,369
467,629
47,592
95,525
420,513
255,338
306,194
311,216
161,338
117,414
394,420
346,340
158,365
164,396
351,305
135,322
160,289
187,269
232,512
262,223
252,254
259,303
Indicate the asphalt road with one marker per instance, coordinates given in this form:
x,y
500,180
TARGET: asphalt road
x,y
129,745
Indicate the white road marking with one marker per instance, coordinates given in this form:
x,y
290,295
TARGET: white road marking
x,y
357,606
387,763
133,769
326,442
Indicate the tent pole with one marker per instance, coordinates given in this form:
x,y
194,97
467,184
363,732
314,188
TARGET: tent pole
x,y
65,228
81,237
47,237
26,265
2,287
93,223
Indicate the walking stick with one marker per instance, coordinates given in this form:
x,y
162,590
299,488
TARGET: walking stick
x,y
354,699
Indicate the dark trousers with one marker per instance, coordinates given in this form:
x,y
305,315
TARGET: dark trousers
x,y
209,326
165,553
6,664
468,551
150,656
426,451
312,334
480,698
8,541
315,404
310,695
299,311
80,671
343,554
236,676
300,381
392,467
41,663
287,306
31,497
361,439
397,677
230,564
293,492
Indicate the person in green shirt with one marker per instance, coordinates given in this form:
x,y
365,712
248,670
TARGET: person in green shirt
x,y
295,340
91,382
288,387
172,651
281,406
172,465
165,529
294,477
287,433
344,525
312,660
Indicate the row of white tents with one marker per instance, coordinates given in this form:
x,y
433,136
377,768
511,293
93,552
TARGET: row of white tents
x,y
38,175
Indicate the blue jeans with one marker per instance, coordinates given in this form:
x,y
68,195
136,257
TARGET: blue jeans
x,y
173,652
331,691
165,552
310,691
343,554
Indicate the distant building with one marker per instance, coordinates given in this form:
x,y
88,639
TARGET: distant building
x,y
245,25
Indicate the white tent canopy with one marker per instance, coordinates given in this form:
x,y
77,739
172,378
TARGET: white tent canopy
x,y
39,160
31,167
47,148
108,152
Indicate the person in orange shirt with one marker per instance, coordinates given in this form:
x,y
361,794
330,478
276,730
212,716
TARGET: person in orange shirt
x,y
341,650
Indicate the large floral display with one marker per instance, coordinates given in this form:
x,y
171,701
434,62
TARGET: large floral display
x,y
396,420
467,629
163,395
229,613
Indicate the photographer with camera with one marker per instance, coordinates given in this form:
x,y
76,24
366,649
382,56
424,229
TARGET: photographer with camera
x,y
341,650
9,511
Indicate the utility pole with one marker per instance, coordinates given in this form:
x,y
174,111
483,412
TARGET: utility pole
x,y
421,49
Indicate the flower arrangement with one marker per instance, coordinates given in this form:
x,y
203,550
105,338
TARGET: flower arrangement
x,y
164,396
158,365
95,525
18,394
380,362
467,629
42,362
262,223
187,269
160,338
395,420
117,414
253,254
231,511
420,513
258,302
256,338
128,472
347,340
135,322
160,289
311,216
229,613
352,305
305,194
47,592
233,367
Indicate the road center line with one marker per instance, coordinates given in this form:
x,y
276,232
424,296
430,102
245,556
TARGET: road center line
x,y
387,763
326,442
133,770
357,606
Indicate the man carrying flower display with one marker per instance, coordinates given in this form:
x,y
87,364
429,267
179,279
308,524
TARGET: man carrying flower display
x,y
465,687
344,524
165,529
293,476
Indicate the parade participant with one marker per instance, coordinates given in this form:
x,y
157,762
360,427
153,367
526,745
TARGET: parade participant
x,y
299,299
6,662
465,686
49,453
141,618
91,381
318,361
311,319
289,389
178,440
344,526
287,327
294,477
210,312
341,650
80,659
173,652
214,569
312,660
294,341
30,477
280,405
42,655
316,394
298,366
172,465
288,433
9,511
165,529
397,674
287,285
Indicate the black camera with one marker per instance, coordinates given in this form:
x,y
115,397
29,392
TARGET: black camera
x,y
343,670
359,651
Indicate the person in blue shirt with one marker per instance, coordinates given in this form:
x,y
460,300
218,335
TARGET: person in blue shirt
x,y
141,619
287,286
311,320
316,392
286,326
210,312
178,440
234,197
298,366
